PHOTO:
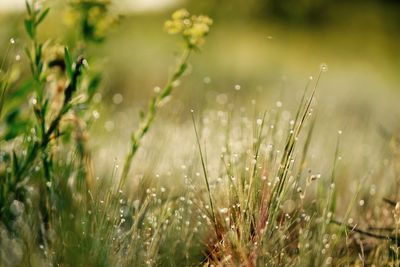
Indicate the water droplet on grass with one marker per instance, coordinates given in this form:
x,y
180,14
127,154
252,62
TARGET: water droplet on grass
x,y
222,99
85,63
117,99
224,210
96,114
324,67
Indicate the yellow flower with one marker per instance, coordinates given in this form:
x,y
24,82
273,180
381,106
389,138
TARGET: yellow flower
x,y
94,18
192,28
174,26
180,14
203,19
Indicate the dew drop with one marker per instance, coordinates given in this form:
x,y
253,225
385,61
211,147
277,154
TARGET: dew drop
x,y
324,67
223,210
117,99
96,114
222,99
372,190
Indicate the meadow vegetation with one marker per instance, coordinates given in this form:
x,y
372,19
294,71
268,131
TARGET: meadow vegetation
x,y
253,186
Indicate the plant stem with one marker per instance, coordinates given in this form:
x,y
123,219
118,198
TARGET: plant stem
x,y
148,119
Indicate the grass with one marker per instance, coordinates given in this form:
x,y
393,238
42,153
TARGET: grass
x,y
259,202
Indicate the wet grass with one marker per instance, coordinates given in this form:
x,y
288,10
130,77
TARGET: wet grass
x,y
239,184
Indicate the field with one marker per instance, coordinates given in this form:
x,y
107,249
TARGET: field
x,y
199,133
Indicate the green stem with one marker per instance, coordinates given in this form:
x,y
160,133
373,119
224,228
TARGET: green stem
x,y
154,104
46,135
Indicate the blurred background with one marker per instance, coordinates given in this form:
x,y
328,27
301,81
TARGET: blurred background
x,y
268,48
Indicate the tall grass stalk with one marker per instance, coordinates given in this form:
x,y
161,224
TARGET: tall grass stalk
x,y
205,173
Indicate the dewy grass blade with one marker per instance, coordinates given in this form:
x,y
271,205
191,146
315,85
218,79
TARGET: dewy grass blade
x,y
205,173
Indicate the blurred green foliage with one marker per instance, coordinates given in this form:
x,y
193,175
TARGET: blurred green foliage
x,y
94,18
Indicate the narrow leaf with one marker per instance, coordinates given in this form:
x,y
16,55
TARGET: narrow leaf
x,y
93,85
15,163
68,62
29,28
28,8
42,16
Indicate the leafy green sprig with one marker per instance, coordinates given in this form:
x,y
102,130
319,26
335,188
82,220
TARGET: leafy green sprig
x,y
193,29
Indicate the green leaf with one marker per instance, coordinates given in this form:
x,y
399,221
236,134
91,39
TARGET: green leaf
x,y
179,73
24,90
94,85
2,96
68,62
28,8
167,91
12,116
15,163
15,130
44,108
42,16
38,54
29,27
